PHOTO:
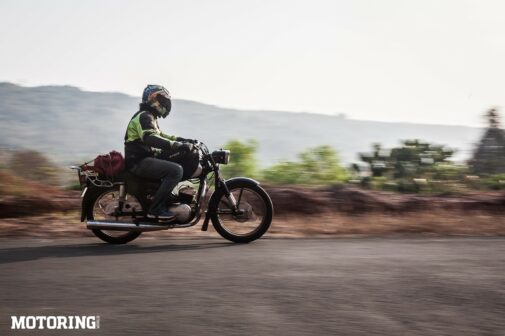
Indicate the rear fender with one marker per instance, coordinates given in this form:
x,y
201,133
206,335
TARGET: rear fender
x,y
89,196
87,200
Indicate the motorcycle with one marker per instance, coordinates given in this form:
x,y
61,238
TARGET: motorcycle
x,y
115,208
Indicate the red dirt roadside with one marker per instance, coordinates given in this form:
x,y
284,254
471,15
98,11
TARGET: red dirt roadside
x,y
299,212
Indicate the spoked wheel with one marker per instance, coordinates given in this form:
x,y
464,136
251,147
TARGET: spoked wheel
x,y
103,209
254,216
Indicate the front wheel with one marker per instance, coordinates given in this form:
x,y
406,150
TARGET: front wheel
x,y
254,216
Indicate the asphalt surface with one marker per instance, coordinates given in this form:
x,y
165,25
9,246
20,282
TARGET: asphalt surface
x,y
347,286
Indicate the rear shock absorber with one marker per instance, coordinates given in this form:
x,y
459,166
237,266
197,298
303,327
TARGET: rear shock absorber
x,y
121,200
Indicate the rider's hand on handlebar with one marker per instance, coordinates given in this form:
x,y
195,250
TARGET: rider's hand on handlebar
x,y
192,141
186,147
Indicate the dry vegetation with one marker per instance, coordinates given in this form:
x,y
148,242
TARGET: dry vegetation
x,y
300,212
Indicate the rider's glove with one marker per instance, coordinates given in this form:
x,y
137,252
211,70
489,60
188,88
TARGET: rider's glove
x,y
186,140
185,147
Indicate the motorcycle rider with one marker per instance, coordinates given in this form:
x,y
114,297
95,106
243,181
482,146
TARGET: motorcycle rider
x,y
144,142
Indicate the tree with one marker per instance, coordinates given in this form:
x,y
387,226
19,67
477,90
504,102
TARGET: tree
x,y
414,159
377,160
489,156
493,118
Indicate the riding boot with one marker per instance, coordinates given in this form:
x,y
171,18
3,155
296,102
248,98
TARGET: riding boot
x,y
158,204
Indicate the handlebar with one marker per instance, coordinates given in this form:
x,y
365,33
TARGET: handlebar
x,y
201,147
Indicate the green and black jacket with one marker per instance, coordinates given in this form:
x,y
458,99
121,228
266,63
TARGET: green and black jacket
x,y
143,135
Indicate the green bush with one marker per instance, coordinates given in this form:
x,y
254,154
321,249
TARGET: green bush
x,y
317,166
494,182
243,160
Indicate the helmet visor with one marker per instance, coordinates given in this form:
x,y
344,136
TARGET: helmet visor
x,y
165,102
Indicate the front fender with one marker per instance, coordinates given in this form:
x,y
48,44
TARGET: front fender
x,y
234,180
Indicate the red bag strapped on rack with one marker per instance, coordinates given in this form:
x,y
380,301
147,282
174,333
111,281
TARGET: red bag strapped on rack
x,y
110,165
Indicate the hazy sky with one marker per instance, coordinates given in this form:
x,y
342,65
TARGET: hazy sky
x,y
436,61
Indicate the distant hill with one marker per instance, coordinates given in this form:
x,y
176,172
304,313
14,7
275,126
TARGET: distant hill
x,y
70,124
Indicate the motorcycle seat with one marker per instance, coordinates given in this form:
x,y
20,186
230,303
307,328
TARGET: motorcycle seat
x,y
129,176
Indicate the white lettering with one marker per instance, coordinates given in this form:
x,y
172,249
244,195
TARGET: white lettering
x,y
18,322
62,322
55,322
31,322
80,322
90,322
40,320
51,322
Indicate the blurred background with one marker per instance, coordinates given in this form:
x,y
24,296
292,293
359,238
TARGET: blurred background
x,y
388,112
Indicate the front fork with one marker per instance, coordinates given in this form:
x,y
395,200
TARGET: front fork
x,y
230,198
232,202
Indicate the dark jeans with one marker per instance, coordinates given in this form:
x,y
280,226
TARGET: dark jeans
x,y
170,173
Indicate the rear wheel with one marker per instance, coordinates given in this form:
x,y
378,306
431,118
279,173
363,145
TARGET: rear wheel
x,y
255,212
103,207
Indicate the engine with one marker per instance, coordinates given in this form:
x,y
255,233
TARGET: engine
x,y
182,212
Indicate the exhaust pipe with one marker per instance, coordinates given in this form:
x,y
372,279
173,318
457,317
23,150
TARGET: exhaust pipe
x,y
122,226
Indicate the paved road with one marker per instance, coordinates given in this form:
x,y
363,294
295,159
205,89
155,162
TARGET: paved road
x,y
347,286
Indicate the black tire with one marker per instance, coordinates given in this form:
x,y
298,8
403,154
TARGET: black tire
x,y
127,237
261,228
